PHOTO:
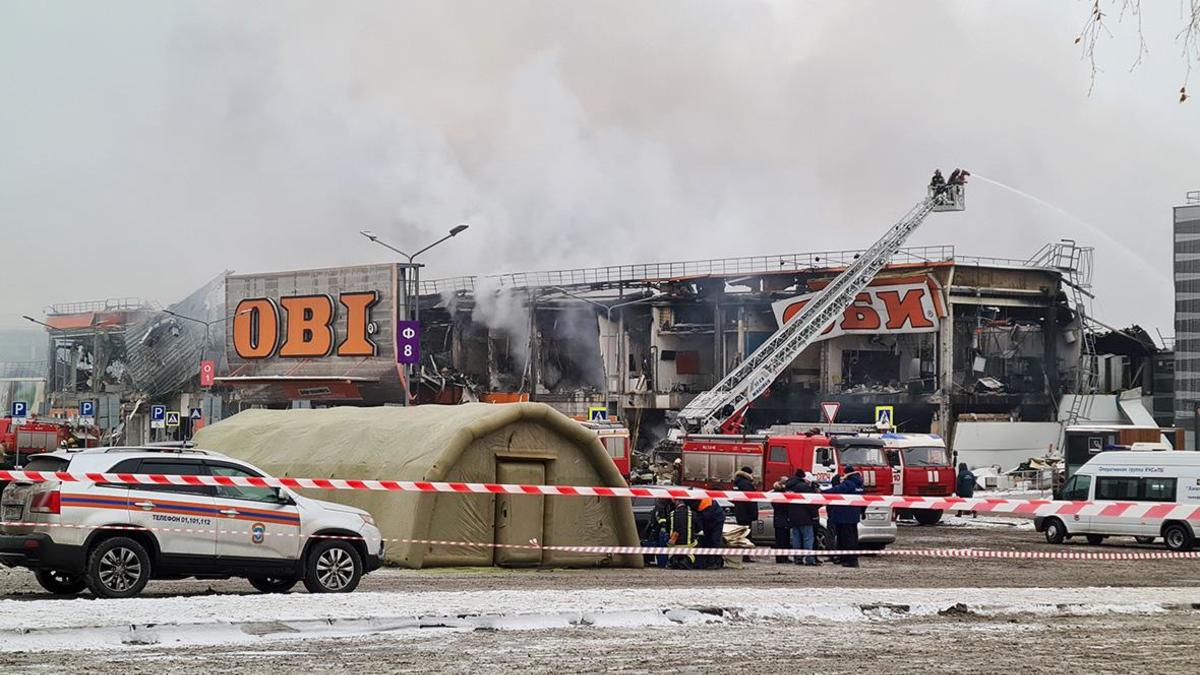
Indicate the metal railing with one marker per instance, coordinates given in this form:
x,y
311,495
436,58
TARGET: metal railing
x,y
719,267
109,305
14,369
1193,197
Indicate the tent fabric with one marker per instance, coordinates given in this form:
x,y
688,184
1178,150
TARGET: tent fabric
x,y
467,443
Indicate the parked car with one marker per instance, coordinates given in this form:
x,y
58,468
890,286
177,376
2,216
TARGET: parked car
x,y
1168,477
64,531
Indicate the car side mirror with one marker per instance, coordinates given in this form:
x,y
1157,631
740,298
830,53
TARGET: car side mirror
x,y
284,498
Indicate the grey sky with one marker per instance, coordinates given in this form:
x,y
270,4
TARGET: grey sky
x,y
146,146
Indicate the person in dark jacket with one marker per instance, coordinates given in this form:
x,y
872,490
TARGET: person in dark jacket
x,y
657,533
965,487
682,526
712,522
783,531
831,543
844,519
803,518
745,513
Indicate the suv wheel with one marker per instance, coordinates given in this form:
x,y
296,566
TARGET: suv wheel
x,y
273,584
332,567
118,568
60,583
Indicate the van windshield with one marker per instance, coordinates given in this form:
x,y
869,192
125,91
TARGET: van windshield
x,y
855,455
926,456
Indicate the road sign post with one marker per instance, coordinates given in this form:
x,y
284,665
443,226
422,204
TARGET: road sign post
x,y
885,417
87,413
829,411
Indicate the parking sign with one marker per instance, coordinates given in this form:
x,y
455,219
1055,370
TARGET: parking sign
x,y
87,409
20,409
158,417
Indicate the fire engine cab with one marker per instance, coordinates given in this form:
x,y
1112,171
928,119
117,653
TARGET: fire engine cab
x,y
913,465
615,439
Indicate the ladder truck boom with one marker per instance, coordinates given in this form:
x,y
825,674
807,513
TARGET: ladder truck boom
x,y
721,409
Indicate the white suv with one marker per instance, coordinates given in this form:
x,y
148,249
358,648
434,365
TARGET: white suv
x,y
113,538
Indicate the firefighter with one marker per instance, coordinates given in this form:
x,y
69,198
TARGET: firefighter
x,y
844,519
682,527
745,512
804,518
712,522
783,531
965,485
938,182
657,531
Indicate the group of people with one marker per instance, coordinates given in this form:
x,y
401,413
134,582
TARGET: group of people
x,y
940,184
687,524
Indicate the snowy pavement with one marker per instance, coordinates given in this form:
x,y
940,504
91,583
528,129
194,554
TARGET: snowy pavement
x,y
75,624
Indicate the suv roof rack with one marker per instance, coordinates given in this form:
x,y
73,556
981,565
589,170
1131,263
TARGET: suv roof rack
x,y
178,447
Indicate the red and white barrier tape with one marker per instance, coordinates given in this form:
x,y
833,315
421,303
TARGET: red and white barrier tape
x,y
670,551
1017,507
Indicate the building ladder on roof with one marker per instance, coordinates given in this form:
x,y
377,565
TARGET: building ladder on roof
x,y
722,408
1075,264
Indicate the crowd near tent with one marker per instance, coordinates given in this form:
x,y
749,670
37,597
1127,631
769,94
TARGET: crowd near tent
x,y
528,443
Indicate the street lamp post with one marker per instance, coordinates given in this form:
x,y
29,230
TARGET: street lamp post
x,y
412,290
608,311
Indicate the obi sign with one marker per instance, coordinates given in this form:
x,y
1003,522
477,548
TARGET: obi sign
x,y
306,326
894,306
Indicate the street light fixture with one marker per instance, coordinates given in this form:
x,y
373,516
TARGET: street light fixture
x,y
412,291
40,323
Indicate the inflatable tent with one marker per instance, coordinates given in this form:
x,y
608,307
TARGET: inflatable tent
x,y
529,443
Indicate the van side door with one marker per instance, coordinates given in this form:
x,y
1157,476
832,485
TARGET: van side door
x,y
1112,494
1077,489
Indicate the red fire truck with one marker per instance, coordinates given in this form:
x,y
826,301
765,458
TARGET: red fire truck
x,y
615,439
916,465
35,435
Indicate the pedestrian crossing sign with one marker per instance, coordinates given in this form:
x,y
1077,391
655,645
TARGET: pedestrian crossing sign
x,y
598,414
885,417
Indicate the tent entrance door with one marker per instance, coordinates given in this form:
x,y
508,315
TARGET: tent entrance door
x,y
519,518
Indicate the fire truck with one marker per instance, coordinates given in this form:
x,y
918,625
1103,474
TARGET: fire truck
x,y
890,463
35,435
615,439
713,444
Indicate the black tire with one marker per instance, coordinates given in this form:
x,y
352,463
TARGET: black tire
x,y
1095,539
1178,537
332,567
821,538
927,516
273,584
1145,540
60,583
117,568
1056,532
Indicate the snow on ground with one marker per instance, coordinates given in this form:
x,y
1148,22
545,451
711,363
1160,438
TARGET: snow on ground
x,y
74,624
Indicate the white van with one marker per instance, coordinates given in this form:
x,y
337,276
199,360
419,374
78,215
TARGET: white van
x,y
1170,477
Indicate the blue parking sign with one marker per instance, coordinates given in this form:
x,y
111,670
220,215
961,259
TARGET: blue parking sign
x,y
20,409
87,408
158,413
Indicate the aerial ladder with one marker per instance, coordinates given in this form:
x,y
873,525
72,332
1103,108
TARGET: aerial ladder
x,y
722,409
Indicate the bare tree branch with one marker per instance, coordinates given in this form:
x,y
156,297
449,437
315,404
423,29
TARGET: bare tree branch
x,y
1095,29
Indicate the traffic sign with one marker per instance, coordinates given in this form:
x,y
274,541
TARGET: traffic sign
x,y
598,413
87,408
172,419
408,342
829,411
158,416
20,409
195,414
208,373
885,417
